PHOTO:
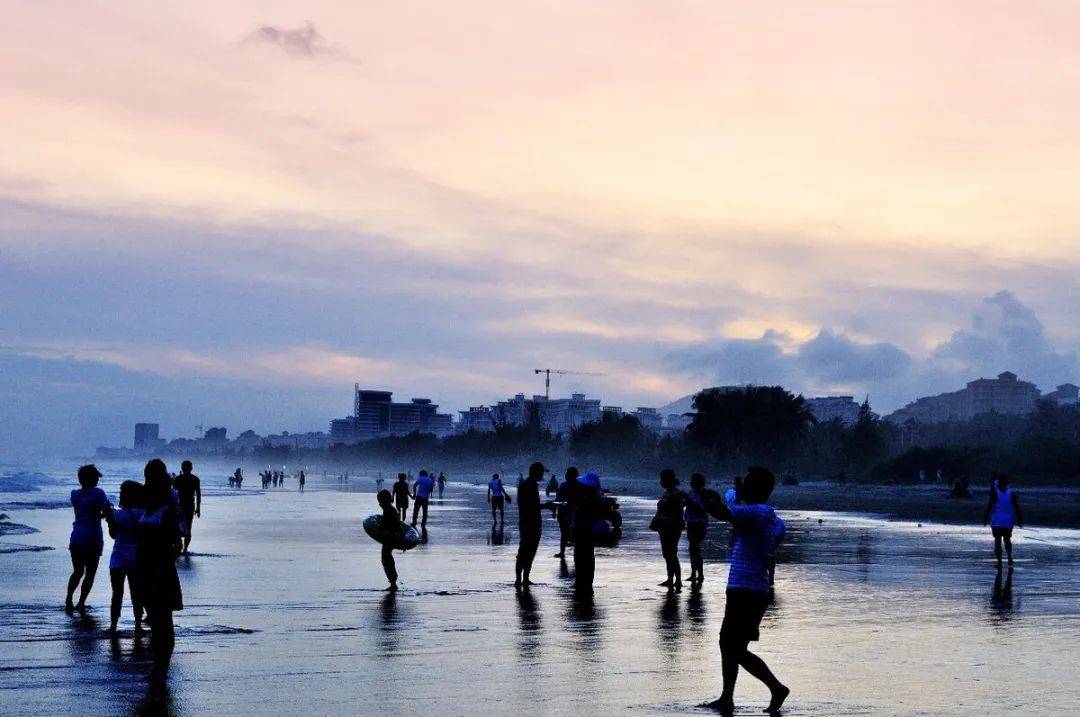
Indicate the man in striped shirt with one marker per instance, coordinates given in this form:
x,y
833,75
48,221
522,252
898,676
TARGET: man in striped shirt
x,y
757,530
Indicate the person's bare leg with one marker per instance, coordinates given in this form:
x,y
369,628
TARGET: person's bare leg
x,y
757,667
730,656
1008,548
88,582
997,548
116,577
77,568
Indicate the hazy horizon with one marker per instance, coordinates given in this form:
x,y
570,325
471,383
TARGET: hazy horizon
x,y
228,215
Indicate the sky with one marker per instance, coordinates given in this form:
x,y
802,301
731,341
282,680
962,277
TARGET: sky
x,y
227,214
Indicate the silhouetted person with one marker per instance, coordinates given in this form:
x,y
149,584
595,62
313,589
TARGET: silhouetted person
x,y
302,481
421,495
552,486
155,566
91,505
189,496
587,512
566,496
442,483
1003,514
530,524
697,524
238,476
755,525
125,534
497,497
391,527
668,523
401,496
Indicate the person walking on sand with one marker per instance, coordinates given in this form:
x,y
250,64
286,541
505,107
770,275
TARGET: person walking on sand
x,y
442,483
697,524
125,534
588,498
158,584
393,533
421,494
301,481
189,496
552,486
1002,514
754,523
401,496
530,523
668,523
91,505
497,497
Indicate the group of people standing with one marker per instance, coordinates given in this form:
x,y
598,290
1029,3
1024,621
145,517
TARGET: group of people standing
x,y
276,479
420,492
150,527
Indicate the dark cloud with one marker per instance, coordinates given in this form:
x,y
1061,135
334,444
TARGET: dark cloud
x,y
305,41
1004,335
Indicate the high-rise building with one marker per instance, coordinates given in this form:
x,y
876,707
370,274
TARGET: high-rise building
x,y
147,438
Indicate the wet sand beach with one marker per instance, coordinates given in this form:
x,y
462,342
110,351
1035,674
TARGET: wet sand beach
x,y
285,614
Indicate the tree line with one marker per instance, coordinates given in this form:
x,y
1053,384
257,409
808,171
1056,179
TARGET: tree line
x,y
763,425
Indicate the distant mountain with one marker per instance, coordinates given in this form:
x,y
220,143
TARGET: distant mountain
x,y
678,406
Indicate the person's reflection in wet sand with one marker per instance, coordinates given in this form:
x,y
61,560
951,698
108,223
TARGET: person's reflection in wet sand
x,y
564,569
668,620
1001,600
498,535
531,627
695,606
390,624
84,643
585,621
158,701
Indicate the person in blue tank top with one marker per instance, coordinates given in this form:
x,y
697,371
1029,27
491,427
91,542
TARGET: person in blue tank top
x,y
86,543
1002,515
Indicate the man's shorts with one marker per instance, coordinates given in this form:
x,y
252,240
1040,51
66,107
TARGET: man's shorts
x,y
742,615
1001,532
497,501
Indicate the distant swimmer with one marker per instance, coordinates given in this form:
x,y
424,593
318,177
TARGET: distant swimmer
x,y
1002,514
155,566
497,497
401,496
125,534
189,495
91,506
301,481
668,523
697,524
391,526
442,483
421,495
754,522
530,522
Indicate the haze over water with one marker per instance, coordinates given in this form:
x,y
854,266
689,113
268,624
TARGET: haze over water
x,y
285,614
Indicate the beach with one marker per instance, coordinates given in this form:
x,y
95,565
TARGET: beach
x,y
285,614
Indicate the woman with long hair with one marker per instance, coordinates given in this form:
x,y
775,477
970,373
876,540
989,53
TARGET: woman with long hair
x,y
125,533
86,543
159,544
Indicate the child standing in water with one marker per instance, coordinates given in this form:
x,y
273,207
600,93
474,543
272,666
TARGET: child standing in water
x,y
697,524
392,533
755,526
1002,514
125,534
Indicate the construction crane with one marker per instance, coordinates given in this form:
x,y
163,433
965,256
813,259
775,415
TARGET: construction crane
x,y
562,372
